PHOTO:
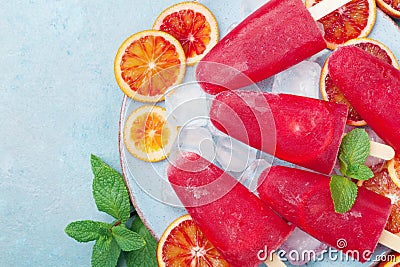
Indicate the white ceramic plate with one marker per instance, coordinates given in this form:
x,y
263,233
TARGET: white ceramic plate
x,y
147,182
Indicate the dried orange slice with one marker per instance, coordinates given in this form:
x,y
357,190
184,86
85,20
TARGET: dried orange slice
x,y
147,64
382,184
331,92
193,25
147,134
353,20
183,244
390,7
394,170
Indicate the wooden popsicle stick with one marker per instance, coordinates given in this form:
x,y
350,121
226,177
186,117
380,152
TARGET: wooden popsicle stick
x,y
325,7
381,151
390,240
274,261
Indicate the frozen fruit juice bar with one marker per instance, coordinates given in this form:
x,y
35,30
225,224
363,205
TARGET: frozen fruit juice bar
x,y
373,89
300,130
275,37
304,198
236,221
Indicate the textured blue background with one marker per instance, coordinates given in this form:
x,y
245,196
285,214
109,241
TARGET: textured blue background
x,y
58,104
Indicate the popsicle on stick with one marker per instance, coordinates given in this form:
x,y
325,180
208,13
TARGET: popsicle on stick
x,y
278,35
372,87
297,129
304,198
235,221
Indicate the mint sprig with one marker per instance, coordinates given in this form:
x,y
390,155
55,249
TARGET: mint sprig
x,y
105,252
109,191
353,153
127,239
146,256
111,196
86,231
344,193
354,150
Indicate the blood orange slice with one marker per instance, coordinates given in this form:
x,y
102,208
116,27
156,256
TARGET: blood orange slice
x,y
147,134
193,25
147,64
390,7
382,184
394,170
331,92
353,20
183,244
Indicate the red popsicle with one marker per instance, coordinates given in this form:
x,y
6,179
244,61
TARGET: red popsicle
x,y
304,198
236,221
373,89
301,130
277,36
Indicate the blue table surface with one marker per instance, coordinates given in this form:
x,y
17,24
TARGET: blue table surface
x,y
59,103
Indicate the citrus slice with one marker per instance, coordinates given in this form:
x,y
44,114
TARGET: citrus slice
x,y
393,260
147,134
331,92
394,170
390,7
382,184
353,20
193,25
183,244
147,64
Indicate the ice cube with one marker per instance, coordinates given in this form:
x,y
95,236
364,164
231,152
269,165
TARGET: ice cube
x,y
198,140
376,164
249,6
185,103
301,248
301,79
320,57
250,176
232,155
266,84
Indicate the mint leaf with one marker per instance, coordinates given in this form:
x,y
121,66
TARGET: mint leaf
x,y
85,231
355,147
344,193
109,190
344,165
105,252
360,172
146,256
127,239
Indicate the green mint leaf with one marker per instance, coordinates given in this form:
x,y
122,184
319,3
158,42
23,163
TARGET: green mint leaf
x,y
105,252
127,239
146,256
344,193
360,172
344,165
85,231
109,190
355,147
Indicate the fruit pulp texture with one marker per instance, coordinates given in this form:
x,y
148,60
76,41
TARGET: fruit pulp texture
x,y
300,130
372,88
150,65
275,37
194,36
304,198
235,221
